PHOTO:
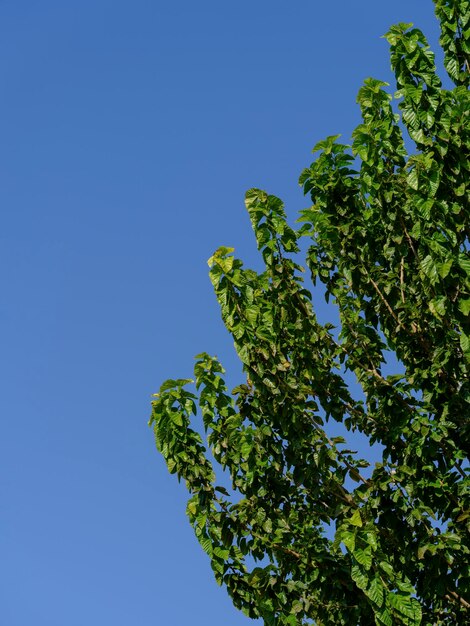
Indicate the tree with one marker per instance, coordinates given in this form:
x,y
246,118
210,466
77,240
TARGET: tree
x,y
311,532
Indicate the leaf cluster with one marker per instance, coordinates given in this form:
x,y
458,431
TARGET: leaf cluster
x,y
310,532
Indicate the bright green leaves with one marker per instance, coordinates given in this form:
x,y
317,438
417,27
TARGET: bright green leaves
x,y
378,141
412,60
222,259
268,219
454,18
328,145
391,598
417,81
375,592
356,519
464,306
180,446
389,240
406,608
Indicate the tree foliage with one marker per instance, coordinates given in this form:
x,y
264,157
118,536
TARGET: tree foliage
x,y
311,532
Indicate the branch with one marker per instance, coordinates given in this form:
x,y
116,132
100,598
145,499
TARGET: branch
x,y
402,279
454,597
382,297
408,238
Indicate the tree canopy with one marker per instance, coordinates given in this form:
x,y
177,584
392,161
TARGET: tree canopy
x,y
305,531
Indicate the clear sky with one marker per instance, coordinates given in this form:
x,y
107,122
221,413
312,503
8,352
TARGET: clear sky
x,y
129,134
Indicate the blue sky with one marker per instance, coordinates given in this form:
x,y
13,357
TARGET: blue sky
x,y
130,132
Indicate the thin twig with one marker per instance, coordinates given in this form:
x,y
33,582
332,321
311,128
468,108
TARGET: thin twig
x,y
402,279
384,300
408,238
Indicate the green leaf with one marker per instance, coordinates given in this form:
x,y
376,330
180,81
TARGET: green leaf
x,y
192,507
384,617
326,144
296,607
220,255
464,263
171,384
465,343
406,606
376,592
412,179
429,268
464,306
387,568
364,557
206,545
355,519
177,418
349,540
251,314
444,268
358,576
438,306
